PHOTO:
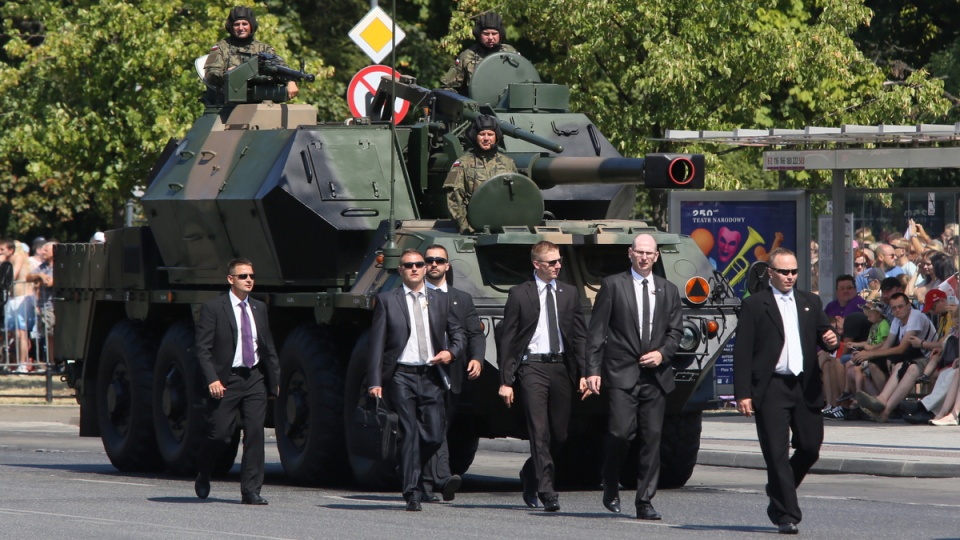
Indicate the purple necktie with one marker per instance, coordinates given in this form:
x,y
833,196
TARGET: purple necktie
x,y
246,337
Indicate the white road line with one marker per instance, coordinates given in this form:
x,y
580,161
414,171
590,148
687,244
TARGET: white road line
x,y
110,482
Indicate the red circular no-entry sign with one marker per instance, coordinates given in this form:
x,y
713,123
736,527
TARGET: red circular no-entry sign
x,y
363,86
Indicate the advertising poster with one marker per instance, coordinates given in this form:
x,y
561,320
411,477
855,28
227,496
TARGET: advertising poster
x,y
733,235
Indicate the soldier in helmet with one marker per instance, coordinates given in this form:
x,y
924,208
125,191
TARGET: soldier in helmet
x,y
230,53
490,35
470,170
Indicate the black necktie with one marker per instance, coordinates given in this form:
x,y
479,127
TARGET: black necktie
x,y
553,332
645,319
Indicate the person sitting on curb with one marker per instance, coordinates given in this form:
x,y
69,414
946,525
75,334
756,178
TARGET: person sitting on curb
x,y
869,376
908,360
856,328
940,397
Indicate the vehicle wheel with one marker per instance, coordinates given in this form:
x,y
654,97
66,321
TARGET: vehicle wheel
x,y
679,448
308,414
462,444
124,398
178,403
369,473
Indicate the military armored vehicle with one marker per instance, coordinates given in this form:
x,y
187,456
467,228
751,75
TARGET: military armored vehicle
x,y
323,210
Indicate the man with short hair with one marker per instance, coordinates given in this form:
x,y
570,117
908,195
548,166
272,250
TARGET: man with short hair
x,y
491,35
541,347
239,366
902,251
776,377
846,302
20,312
437,471
908,355
414,336
889,287
887,259
42,277
634,333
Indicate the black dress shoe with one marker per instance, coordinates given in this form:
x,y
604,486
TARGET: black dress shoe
x,y
202,486
919,417
450,487
647,512
788,528
253,498
413,505
529,492
430,498
551,506
611,499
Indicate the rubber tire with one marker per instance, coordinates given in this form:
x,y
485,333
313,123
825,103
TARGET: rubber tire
x,y
368,473
124,398
308,413
178,404
679,448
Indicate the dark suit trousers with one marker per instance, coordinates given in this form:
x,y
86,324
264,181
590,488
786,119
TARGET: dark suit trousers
x,y
547,393
417,398
636,412
248,395
784,410
437,470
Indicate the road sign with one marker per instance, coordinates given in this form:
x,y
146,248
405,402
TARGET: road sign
x,y
697,290
373,34
363,86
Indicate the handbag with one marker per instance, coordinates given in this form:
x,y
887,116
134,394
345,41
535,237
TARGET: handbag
x,y
374,430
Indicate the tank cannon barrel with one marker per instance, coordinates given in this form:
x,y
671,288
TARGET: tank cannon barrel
x,y
654,170
286,73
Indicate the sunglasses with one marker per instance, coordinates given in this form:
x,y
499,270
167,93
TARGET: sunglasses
x,y
409,265
553,262
245,276
786,271
435,260
859,264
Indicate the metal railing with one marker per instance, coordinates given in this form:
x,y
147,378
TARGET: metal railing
x,y
25,349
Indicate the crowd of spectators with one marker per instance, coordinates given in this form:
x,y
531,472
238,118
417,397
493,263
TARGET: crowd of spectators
x,y
26,294
897,315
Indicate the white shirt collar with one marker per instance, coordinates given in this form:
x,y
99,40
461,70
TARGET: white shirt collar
x,y
778,294
408,290
638,277
442,287
541,284
234,299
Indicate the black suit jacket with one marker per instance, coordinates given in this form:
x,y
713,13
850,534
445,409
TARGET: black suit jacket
x,y
217,337
391,327
476,343
760,339
613,346
520,316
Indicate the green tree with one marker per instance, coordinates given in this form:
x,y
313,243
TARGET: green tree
x,y
92,101
640,68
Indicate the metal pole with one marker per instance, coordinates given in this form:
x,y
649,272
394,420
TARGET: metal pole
x,y
128,217
839,230
391,250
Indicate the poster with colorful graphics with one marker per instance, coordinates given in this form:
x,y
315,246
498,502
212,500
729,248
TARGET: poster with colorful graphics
x,y
735,234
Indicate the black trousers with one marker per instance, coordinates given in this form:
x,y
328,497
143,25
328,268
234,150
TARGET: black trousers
x,y
437,471
634,412
417,398
784,411
546,391
246,394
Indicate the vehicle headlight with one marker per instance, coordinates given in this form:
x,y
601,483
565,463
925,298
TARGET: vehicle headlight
x,y
690,338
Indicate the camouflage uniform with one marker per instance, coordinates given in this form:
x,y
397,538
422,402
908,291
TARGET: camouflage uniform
x,y
458,77
468,172
229,54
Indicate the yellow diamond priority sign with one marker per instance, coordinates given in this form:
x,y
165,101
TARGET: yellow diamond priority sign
x,y
373,34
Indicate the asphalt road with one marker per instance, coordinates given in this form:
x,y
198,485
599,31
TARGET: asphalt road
x,y
57,485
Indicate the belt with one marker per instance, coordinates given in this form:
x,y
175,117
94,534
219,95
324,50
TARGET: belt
x,y
242,371
790,377
547,358
419,370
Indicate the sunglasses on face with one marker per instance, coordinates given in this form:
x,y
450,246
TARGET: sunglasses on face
x,y
435,260
245,276
409,265
786,271
553,262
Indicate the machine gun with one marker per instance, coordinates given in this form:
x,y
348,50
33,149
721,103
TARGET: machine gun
x,y
262,78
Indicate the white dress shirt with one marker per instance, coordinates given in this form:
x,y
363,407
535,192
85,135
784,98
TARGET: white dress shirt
x,y
411,354
792,351
651,294
540,342
238,354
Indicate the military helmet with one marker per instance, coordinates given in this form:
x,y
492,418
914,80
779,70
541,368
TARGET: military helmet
x,y
241,13
489,20
481,123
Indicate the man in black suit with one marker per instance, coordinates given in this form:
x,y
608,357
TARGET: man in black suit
x,y
414,337
776,376
634,332
438,264
541,344
239,364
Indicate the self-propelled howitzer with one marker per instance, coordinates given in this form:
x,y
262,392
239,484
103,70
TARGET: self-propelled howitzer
x,y
308,203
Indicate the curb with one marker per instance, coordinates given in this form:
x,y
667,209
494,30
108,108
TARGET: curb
x,y
751,460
